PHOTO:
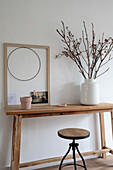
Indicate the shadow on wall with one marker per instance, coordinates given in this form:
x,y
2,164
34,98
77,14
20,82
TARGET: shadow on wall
x,y
5,168
95,127
70,94
96,130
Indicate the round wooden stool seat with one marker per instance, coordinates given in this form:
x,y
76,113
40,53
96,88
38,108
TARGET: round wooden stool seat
x,y
73,133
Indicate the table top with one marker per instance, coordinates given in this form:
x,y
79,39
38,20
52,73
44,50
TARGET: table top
x,y
56,109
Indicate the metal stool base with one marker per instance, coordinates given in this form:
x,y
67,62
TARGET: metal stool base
x,y
74,147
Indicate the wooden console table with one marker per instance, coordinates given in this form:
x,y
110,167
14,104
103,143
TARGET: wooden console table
x,y
43,111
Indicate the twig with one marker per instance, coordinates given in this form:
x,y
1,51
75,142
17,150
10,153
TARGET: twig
x,y
95,54
102,73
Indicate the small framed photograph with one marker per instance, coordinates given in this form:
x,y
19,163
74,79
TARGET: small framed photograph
x,y
39,97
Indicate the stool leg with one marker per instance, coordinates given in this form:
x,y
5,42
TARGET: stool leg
x,y
81,158
64,157
74,156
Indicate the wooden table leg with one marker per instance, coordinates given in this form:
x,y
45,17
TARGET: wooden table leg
x,y
102,129
16,140
112,122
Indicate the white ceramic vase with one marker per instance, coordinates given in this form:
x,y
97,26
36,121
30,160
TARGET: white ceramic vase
x,y
90,92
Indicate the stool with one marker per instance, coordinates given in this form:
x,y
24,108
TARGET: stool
x,y
73,134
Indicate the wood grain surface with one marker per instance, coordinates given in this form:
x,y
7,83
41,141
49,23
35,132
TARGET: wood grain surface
x,y
92,164
73,133
12,110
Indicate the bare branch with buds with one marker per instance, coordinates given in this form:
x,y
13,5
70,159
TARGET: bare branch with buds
x,y
88,56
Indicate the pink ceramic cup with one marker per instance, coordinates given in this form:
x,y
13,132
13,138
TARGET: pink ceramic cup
x,y
26,102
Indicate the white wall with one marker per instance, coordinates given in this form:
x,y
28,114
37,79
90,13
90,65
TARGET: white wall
x,y
35,22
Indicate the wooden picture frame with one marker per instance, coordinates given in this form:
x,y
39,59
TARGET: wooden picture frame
x,y
43,54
